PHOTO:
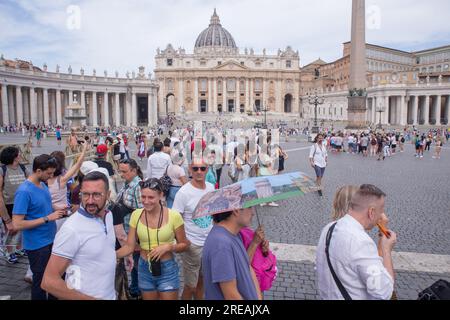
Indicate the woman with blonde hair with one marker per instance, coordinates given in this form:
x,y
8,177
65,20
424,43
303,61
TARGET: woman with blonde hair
x,y
342,200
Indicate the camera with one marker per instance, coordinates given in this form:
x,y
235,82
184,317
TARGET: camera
x,y
155,268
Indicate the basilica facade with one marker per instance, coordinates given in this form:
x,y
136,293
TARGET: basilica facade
x,y
217,78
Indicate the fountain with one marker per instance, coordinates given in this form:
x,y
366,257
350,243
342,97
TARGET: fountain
x,y
75,115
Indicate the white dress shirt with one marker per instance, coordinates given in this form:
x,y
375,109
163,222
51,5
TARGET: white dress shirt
x,y
354,257
157,165
319,155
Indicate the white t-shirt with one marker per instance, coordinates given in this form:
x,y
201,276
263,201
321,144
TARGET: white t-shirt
x,y
351,139
185,202
90,245
157,165
319,155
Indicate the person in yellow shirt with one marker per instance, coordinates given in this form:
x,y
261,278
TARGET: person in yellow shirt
x,y
160,232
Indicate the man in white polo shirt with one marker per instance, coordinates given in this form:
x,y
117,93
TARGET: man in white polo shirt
x,y
84,248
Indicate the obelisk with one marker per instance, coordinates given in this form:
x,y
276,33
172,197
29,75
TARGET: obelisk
x,y
358,84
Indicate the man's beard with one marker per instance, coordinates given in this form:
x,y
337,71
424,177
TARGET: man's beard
x,y
96,207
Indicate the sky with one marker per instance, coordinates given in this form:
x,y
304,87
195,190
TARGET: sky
x,y
117,35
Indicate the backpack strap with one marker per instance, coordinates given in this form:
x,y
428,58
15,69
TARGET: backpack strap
x,y
335,277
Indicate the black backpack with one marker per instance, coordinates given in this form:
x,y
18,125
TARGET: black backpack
x,y
438,291
5,167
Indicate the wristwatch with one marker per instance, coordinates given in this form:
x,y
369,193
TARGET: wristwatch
x,y
46,220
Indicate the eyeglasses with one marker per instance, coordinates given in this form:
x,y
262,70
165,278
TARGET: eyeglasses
x,y
95,195
153,184
195,169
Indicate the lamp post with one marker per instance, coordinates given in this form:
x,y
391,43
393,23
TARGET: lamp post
x,y
315,101
265,110
380,110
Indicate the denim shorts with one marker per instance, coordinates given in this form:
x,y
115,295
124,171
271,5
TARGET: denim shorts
x,y
319,171
169,280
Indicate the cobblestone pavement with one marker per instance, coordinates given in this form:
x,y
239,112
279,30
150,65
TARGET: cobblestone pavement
x,y
418,206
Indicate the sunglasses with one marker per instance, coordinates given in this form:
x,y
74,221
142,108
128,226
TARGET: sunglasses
x,y
195,169
153,184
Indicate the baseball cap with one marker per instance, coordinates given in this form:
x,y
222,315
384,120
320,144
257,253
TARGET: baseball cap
x,y
88,166
102,149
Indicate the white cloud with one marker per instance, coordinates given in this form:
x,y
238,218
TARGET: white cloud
x,y
122,35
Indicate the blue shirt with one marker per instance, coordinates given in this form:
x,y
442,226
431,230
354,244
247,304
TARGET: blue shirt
x,y
34,203
225,259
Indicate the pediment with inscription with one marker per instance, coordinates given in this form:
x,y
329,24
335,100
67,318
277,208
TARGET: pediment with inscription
x,y
231,65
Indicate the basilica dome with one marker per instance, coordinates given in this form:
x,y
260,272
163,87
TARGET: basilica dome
x,y
215,35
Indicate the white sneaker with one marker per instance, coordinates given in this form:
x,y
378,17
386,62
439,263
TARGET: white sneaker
x,y
273,204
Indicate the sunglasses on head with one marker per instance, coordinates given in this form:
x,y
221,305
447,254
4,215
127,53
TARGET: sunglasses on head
x,y
195,169
153,184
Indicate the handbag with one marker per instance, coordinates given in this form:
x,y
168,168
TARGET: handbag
x,y
440,290
166,182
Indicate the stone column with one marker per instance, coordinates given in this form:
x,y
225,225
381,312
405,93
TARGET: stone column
x,y
210,97
150,109
279,101
134,110
224,95
70,101
12,116
40,106
128,110
403,111
94,109
447,109
386,111
59,118
374,110
295,102
415,110
195,107
252,94
105,109
5,108
33,106
83,105
214,106
181,95
52,106
247,96
19,106
117,110
26,106
438,109
426,111
238,96
46,108
154,107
